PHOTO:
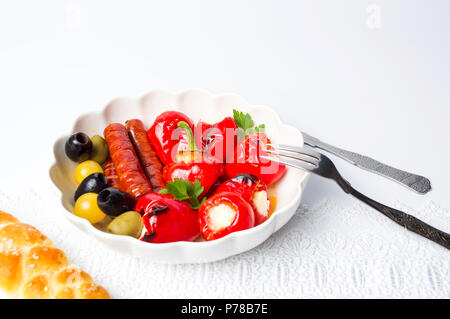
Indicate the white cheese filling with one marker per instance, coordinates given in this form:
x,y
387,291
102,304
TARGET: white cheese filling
x,y
221,216
261,203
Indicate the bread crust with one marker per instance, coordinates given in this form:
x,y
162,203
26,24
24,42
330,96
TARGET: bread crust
x,y
32,268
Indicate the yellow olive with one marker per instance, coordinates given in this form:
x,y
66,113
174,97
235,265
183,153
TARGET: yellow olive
x,y
85,169
87,208
100,151
129,224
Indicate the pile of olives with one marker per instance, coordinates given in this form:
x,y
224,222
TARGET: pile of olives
x,y
93,198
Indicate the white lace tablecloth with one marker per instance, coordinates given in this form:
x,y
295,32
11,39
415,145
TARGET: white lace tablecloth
x,y
324,251
372,77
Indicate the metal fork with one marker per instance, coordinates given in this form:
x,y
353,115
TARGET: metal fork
x,y
317,163
417,183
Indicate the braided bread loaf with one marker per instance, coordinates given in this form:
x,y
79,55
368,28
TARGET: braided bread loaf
x,y
30,267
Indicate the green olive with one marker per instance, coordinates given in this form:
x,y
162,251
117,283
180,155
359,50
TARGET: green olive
x,y
129,224
100,151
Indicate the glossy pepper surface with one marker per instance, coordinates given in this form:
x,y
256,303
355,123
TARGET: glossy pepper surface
x,y
253,190
167,138
167,220
194,165
223,214
246,160
217,139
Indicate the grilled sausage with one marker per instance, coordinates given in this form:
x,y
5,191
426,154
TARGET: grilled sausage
x,y
149,160
132,177
111,175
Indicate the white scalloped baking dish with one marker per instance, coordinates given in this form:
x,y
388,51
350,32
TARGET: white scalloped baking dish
x,y
197,104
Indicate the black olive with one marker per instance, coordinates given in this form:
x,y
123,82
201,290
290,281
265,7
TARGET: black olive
x,y
114,202
78,147
94,183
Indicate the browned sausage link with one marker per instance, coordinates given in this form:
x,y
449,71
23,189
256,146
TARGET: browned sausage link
x,y
111,175
129,170
150,162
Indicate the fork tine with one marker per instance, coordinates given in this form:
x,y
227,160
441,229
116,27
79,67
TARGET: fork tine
x,y
290,162
297,149
295,155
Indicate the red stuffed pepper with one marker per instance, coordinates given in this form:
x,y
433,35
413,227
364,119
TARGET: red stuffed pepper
x,y
217,139
223,214
193,165
167,220
253,190
167,138
246,160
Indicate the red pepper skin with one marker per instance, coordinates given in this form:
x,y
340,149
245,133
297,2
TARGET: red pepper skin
x,y
216,185
205,169
167,220
246,160
218,139
164,138
244,219
200,133
246,186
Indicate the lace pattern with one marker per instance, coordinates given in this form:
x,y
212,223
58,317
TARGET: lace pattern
x,y
326,251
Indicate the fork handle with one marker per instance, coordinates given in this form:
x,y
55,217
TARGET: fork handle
x,y
409,222
418,183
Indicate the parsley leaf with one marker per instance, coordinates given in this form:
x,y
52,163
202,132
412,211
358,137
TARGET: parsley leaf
x,y
245,124
183,190
244,121
260,128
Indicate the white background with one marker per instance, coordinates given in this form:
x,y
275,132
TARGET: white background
x,y
370,76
